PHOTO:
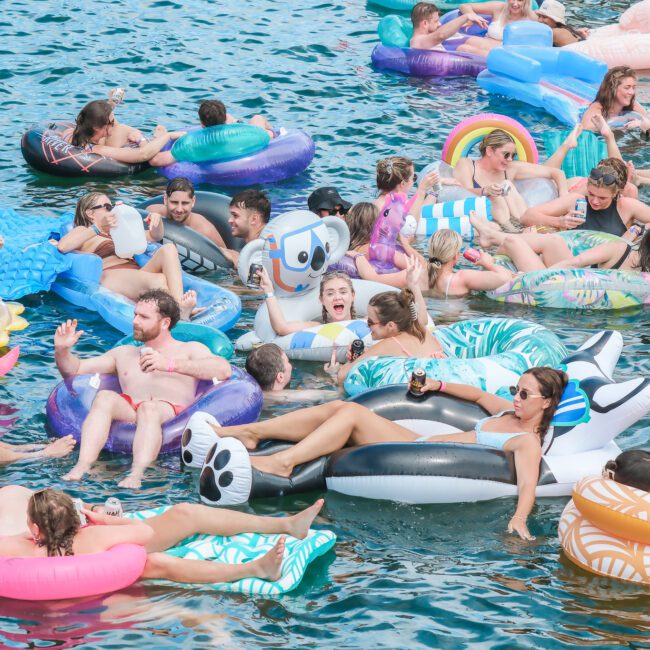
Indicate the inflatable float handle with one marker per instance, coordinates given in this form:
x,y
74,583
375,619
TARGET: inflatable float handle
x,y
514,65
250,254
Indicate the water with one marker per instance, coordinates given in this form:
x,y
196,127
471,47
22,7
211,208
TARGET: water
x,y
402,576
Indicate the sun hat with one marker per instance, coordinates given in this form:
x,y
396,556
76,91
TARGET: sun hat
x,y
326,198
553,9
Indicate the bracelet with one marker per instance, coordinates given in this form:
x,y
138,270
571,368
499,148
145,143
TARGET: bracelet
x,y
270,294
432,192
96,229
442,388
171,365
92,508
521,517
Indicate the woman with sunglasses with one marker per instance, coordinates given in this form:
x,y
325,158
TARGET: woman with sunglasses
x,y
96,131
518,427
92,223
493,174
607,209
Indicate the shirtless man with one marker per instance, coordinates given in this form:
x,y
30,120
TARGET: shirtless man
x,y
212,112
178,203
250,211
428,33
158,381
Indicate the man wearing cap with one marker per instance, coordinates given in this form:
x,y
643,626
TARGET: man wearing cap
x,y
327,200
553,14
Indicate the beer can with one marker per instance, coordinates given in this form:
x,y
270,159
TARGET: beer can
x,y
116,96
581,209
113,507
506,186
472,255
356,349
254,278
418,379
78,505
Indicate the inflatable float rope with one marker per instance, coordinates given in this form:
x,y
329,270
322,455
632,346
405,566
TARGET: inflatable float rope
x,y
593,411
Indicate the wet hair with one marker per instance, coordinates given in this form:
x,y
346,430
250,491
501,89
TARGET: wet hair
x,y
631,467
212,112
552,383
444,245
94,115
166,304
83,204
644,253
264,363
253,200
618,167
54,513
180,184
336,275
392,171
423,11
396,307
495,139
609,85
361,219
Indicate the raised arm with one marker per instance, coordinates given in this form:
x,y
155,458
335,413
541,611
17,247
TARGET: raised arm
x,y
523,170
65,339
156,227
414,271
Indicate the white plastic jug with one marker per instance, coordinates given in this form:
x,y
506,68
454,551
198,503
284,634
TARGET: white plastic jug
x,y
128,236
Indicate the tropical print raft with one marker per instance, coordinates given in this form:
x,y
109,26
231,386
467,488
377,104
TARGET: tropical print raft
x,y
489,353
243,548
602,289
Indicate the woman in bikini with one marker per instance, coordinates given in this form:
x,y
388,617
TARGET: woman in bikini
x,y
518,427
93,220
54,529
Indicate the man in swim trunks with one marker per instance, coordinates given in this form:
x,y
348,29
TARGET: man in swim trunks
x,y
158,381
250,211
428,33
178,203
212,112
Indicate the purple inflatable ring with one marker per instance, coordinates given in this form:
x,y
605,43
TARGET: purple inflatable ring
x,y
237,400
426,63
286,155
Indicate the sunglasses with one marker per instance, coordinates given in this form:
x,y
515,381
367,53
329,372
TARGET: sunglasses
x,y
337,209
372,322
415,177
107,206
599,175
523,393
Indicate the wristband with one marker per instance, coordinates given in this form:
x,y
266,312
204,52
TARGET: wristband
x,y
96,230
92,508
442,388
171,365
270,294
431,192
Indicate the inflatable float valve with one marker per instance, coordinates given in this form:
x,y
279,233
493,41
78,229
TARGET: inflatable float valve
x,y
128,236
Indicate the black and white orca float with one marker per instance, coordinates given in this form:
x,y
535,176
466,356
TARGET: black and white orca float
x,y
593,411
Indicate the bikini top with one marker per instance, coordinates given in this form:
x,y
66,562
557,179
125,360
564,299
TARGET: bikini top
x,y
475,183
494,439
433,355
106,248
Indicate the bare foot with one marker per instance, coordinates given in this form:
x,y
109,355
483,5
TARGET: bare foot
x,y
271,465
133,480
187,304
269,566
246,438
61,447
487,236
572,138
298,525
76,473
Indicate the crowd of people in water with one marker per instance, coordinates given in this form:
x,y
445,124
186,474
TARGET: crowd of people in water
x,y
161,381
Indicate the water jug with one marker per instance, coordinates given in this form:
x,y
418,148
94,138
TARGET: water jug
x,y
128,236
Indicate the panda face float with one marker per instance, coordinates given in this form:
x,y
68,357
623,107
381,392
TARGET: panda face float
x,y
296,248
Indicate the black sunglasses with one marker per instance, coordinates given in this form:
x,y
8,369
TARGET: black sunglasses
x,y
106,206
523,393
338,209
599,175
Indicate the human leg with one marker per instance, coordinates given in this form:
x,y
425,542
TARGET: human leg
x,y
292,426
187,519
132,283
147,439
166,567
351,423
165,260
107,406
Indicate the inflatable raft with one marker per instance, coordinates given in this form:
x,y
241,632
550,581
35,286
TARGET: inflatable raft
x,y
593,411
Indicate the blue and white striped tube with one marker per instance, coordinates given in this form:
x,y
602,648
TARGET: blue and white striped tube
x,y
461,225
461,208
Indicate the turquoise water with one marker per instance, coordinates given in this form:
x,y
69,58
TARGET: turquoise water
x,y
402,576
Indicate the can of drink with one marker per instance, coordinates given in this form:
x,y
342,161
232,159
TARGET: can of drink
x,y
506,186
581,209
254,279
636,229
356,350
472,255
116,96
418,378
78,505
144,349
113,507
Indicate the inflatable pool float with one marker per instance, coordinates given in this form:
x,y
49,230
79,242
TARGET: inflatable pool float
x,y
44,149
286,155
589,289
197,253
296,249
528,68
489,353
580,161
237,400
407,5
10,320
74,576
593,411
395,55
626,43
605,529
453,215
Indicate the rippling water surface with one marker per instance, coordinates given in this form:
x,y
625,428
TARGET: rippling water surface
x,y
402,576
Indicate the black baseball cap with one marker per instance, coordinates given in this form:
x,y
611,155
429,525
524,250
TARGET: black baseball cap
x,y
326,198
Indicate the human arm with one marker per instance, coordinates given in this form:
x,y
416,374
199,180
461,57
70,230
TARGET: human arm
x,y
413,274
601,126
491,277
464,173
524,170
368,272
447,30
528,455
56,449
427,183
633,210
200,363
75,239
558,213
65,338
491,403
156,227
145,152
